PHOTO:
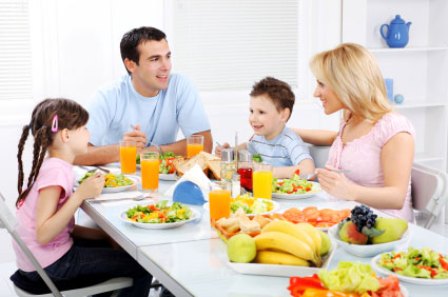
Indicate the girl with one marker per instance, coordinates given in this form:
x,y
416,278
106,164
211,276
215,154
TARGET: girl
x,y
46,208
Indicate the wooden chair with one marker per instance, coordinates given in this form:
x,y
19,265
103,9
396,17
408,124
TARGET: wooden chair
x,y
429,193
8,221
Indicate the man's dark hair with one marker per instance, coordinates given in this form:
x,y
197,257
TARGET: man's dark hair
x,y
278,91
132,39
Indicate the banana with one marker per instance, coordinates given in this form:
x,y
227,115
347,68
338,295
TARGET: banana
x,y
271,257
313,233
283,242
293,230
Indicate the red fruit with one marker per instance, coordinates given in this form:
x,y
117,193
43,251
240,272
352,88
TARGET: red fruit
x,y
349,233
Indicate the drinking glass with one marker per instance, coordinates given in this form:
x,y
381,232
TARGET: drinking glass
x,y
128,157
149,168
195,145
262,180
219,204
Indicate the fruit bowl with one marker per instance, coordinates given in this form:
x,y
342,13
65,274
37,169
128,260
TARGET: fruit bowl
x,y
367,250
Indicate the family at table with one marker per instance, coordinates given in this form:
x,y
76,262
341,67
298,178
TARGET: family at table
x,y
369,162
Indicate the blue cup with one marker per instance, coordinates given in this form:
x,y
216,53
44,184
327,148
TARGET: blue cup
x,y
389,82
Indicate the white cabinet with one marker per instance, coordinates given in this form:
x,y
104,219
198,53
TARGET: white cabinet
x,y
419,71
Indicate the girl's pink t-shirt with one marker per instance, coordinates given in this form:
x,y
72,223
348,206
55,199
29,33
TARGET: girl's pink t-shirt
x,y
53,172
361,158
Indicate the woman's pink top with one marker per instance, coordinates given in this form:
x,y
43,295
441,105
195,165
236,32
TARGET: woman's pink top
x,y
54,172
361,158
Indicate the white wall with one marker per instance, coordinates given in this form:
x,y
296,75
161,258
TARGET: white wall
x,y
76,50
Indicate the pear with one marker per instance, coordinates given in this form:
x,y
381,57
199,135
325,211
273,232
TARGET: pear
x,y
241,248
394,229
349,233
326,243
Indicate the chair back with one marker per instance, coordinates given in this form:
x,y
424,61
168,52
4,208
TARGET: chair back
x,y
429,191
8,221
319,154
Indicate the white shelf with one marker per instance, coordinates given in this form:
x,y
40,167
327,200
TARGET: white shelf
x,y
419,104
408,49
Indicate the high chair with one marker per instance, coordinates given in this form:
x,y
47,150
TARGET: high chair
x,y
48,287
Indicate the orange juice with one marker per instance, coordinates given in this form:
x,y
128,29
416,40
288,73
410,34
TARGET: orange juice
x,y
150,174
128,156
262,184
219,202
193,149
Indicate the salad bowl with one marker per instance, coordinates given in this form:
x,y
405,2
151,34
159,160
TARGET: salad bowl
x,y
295,196
367,250
417,261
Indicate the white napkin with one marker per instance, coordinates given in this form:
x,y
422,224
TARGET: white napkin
x,y
118,196
195,175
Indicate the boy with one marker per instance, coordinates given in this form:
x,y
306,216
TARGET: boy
x,y
271,105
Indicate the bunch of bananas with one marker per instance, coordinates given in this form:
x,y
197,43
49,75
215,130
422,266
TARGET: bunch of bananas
x,y
286,243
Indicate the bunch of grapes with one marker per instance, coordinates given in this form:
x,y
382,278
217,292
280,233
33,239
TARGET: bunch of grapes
x,y
363,216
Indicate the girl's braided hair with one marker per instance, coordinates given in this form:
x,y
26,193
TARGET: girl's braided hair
x,y
67,114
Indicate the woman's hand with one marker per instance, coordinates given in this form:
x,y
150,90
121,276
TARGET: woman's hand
x,y
136,135
219,148
336,183
91,187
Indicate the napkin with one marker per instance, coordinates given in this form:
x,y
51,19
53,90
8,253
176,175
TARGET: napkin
x,y
195,175
121,195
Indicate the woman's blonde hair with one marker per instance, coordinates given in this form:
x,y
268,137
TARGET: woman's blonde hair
x,y
355,78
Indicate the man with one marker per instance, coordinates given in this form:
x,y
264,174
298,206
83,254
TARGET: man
x,y
147,106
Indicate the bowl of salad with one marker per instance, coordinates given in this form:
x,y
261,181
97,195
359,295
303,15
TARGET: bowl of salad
x,y
418,266
294,188
161,215
253,206
113,183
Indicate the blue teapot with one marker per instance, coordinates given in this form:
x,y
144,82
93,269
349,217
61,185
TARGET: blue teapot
x,y
397,33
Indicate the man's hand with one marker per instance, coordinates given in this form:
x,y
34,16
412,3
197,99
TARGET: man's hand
x,y
136,135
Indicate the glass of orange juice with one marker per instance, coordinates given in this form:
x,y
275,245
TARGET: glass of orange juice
x,y
219,203
128,157
262,180
195,145
149,168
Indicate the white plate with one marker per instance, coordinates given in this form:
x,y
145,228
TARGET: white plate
x,y
316,189
408,279
194,215
275,207
120,189
367,250
280,270
163,176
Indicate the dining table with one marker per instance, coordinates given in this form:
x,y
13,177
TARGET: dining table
x,y
191,260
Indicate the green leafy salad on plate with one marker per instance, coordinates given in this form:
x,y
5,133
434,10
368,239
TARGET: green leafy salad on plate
x,y
159,213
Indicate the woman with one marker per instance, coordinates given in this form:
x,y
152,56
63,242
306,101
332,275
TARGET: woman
x,y
371,155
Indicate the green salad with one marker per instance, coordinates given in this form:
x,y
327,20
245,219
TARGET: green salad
x,y
419,263
294,185
159,213
251,205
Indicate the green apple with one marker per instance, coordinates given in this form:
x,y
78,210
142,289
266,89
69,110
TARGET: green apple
x,y
241,248
326,243
394,229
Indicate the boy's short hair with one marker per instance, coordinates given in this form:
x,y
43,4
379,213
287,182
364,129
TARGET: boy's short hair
x,y
278,91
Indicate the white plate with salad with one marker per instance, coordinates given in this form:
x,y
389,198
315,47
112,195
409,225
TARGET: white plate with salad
x,y
411,272
285,191
114,182
161,215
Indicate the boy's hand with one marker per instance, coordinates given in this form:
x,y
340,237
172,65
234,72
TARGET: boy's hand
x,y
219,148
91,187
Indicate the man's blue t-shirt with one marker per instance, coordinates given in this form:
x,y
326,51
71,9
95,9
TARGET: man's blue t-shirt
x,y
287,149
115,109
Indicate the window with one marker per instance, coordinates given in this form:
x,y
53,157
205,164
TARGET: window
x,y
228,45
15,58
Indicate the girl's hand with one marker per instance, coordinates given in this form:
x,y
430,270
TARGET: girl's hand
x,y
336,183
91,187
219,148
136,135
